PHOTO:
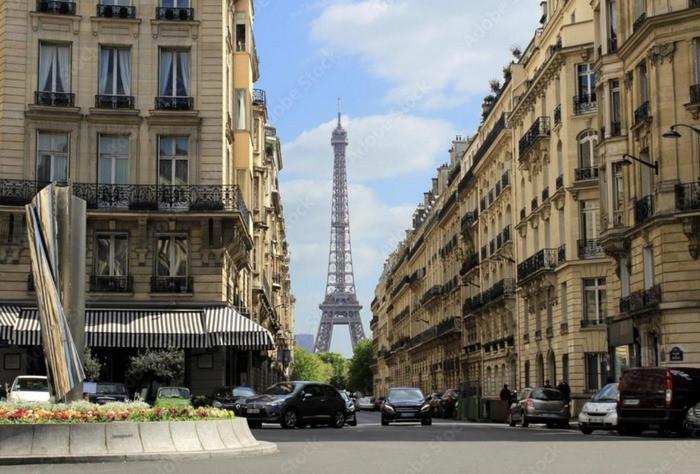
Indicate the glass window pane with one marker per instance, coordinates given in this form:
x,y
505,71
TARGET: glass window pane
x,y
102,253
120,255
180,172
60,168
121,172
43,171
180,256
166,146
60,142
44,141
182,146
163,258
165,171
104,171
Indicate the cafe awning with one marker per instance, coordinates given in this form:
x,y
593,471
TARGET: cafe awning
x,y
228,327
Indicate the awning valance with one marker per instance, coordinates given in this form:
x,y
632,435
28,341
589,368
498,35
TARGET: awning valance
x,y
227,327
8,319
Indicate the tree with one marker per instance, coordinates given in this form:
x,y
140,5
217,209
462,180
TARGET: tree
x,y
339,368
360,375
91,365
309,366
165,366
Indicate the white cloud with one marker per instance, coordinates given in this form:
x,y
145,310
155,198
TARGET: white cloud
x,y
441,51
381,146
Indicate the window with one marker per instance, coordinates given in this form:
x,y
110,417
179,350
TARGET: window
x,y
174,73
526,369
115,71
643,86
648,261
240,37
612,25
565,367
640,9
586,153
241,106
550,313
175,3
624,276
596,371
52,157
112,255
54,68
172,256
590,219
564,304
697,60
586,81
618,195
538,317
120,3
562,228
173,156
594,302
113,162
615,108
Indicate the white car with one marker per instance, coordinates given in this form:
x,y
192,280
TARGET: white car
x,y
600,413
29,388
365,403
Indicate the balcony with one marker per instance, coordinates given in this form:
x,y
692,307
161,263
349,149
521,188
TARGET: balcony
x,y
111,284
55,7
431,294
544,260
639,22
54,99
498,291
470,263
540,130
641,301
174,103
590,248
116,11
179,284
174,13
586,173
490,139
688,196
545,194
472,304
642,113
103,101
585,103
560,182
557,115
695,92
643,209
259,97
18,192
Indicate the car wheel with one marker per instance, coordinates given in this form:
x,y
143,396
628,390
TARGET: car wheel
x,y
426,421
338,419
524,421
290,420
384,422
585,430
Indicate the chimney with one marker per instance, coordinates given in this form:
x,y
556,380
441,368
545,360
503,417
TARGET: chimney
x,y
427,199
543,4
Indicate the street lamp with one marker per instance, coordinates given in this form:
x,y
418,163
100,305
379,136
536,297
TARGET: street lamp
x,y
502,257
673,133
626,162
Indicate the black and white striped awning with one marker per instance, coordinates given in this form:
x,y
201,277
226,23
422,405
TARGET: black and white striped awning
x,y
8,320
227,327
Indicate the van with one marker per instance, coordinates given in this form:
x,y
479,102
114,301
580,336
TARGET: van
x,y
656,398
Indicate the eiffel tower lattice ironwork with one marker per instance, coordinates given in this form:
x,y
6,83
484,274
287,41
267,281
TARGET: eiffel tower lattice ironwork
x,y
340,306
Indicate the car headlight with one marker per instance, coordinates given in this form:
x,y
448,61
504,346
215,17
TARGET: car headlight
x,y
388,408
216,404
276,403
425,408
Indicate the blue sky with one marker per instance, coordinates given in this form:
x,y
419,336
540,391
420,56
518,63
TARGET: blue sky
x,y
412,75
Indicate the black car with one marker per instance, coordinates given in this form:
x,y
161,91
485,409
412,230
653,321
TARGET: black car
x,y
296,404
230,398
109,392
406,404
350,415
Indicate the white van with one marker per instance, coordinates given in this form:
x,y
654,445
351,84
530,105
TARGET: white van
x,y
29,388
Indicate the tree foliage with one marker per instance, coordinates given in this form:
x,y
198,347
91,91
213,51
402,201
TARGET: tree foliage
x,y
360,376
309,366
339,368
164,366
91,365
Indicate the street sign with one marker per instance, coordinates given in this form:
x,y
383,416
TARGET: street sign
x,y
676,355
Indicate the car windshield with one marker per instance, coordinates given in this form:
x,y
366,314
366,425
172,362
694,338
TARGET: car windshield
x,y
606,394
243,392
284,388
547,394
174,392
31,385
365,400
405,395
111,389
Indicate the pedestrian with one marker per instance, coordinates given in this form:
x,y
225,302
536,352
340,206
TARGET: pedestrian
x,y
564,388
505,395
547,384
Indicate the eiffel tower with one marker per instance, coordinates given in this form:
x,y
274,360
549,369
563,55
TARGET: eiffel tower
x,y
340,306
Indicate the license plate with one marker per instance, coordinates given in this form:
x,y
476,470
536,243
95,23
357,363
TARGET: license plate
x,y
630,402
407,415
253,411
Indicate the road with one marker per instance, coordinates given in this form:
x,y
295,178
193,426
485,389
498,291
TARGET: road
x,y
446,446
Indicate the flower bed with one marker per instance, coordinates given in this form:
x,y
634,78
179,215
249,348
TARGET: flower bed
x,y
83,412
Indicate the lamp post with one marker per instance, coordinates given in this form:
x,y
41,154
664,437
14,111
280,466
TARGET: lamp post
x,y
626,162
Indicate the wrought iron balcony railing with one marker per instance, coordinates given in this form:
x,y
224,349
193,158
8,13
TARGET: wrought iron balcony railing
x,y
175,13
688,196
472,304
174,103
643,209
639,21
695,92
557,114
259,97
491,137
116,11
178,284
432,293
58,7
470,263
103,101
544,260
586,173
585,103
54,99
590,248
540,129
111,284
642,300
560,182
642,113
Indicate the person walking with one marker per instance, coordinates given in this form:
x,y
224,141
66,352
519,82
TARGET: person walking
x,y
505,395
564,388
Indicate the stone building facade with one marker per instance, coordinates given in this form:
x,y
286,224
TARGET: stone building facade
x,y
147,109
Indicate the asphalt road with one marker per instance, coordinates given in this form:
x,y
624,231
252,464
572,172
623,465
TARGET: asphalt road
x,y
446,446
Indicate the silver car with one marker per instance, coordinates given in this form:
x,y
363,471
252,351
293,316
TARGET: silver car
x,y
600,413
539,405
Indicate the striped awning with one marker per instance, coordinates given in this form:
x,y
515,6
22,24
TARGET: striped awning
x,y
8,319
227,327
126,328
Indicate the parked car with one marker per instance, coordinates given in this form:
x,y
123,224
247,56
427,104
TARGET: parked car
x,y
449,402
539,405
296,404
230,398
692,421
350,412
173,397
365,403
30,388
406,404
600,413
108,392
435,400
378,403
656,398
